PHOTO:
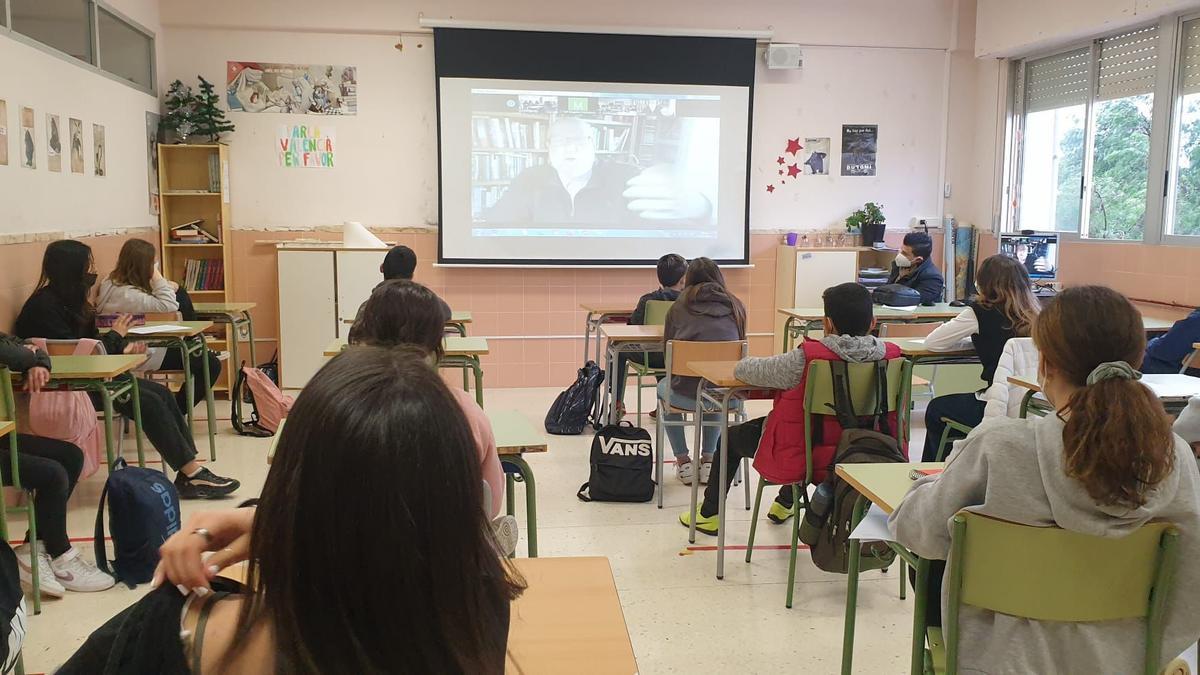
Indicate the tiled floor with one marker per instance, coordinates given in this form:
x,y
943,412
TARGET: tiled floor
x,y
680,618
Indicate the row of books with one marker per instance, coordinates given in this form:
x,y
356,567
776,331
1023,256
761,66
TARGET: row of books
x,y
206,274
503,133
500,166
193,233
484,198
214,172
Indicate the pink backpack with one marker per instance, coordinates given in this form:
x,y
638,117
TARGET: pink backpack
x,y
67,415
269,406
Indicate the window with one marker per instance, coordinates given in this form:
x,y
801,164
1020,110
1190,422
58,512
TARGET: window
x,y
3,14
124,50
62,24
1183,214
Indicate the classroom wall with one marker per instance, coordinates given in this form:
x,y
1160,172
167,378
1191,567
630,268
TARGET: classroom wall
x,y
1010,28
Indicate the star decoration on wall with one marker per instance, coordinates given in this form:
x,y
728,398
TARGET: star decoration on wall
x,y
793,146
781,160
793,171
770,188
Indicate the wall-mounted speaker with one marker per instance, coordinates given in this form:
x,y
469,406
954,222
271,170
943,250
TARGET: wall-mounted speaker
x,y
784,56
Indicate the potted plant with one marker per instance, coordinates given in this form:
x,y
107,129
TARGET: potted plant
x,y
870,221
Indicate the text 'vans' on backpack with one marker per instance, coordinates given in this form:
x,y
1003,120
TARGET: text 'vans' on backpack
x,y
571,411
143,512
828,521
622,466
268,405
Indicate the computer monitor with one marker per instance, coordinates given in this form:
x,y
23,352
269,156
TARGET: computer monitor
x,y
1037,252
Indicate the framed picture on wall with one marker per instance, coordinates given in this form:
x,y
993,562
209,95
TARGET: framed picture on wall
x,y
53,144
3,133
76,145
98,148
28,144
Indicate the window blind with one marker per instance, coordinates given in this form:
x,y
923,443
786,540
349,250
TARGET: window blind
x,y
1058,81
1127,64
1189,62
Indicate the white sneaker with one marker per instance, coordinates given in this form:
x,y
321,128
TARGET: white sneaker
x,y
705,472
505,530
47,583
685,472
77,574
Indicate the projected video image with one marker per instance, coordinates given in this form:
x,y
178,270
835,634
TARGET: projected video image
x,y
1038,253
600,164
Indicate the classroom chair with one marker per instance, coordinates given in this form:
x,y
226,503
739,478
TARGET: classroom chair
x,y
914,330
818,403
8,427
656,315
989,568
678,357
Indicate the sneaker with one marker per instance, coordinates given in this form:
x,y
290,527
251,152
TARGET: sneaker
x,y
778,513
705,472
505,530
706,525
204,485
685,472
47,582
654,414
77,574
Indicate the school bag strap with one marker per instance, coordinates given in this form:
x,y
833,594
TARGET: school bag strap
x,y
98,541
583,493
843,406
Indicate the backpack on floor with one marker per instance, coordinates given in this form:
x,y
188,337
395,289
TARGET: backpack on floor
x,y
827,523
268,405
572,409
622,466
12,610
143,510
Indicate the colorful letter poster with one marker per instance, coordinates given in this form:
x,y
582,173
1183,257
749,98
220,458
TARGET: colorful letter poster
x,y
306,146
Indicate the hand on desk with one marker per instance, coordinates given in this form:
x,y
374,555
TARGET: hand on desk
x,y
182,555
35,379
120,325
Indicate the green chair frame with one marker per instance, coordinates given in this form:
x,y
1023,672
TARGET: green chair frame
x,y
656,315
819,400
989,564
8,412
951,426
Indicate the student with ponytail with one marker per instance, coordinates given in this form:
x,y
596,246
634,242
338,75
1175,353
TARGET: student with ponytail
x,y
1105,464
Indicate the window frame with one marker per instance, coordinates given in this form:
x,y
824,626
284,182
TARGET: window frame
x,y
93,18
1163,136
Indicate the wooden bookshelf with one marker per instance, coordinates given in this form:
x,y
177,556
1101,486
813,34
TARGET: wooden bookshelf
x,y
193,184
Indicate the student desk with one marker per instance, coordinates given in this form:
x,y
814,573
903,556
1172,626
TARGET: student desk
x,y
884,485
720,387
569,620
457,323
515,436
460,352
597,314
800,320
189,339
96,373
235,315
1173,390
914,349
623,338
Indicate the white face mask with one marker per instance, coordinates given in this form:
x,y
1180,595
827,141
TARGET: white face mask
x,y
902,260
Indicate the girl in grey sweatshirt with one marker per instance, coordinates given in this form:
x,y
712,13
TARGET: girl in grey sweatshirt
x,y
1104,465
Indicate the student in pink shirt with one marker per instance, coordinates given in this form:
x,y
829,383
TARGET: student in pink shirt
x,y
403,312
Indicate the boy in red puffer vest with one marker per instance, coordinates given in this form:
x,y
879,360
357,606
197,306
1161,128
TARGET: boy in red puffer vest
x,y
779,454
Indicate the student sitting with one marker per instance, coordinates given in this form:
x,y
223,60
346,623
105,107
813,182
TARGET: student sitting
x,y
136,286
1187,425
59,309
1105,464
400,263
671,268
401,312
705,312
375,477
914,268
1165,353
1005,308
50,468
849,318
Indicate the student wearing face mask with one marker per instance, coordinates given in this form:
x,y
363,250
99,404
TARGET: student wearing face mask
x,y
914,268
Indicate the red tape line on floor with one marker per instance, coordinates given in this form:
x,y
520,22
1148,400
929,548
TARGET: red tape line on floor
x,y
780,547
73,540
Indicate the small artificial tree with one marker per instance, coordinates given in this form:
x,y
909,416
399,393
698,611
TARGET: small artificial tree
x,y
210,119
181,110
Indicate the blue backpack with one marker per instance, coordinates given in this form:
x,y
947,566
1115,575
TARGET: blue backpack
x,y
143,512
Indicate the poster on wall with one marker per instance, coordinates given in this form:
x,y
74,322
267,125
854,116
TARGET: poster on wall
x,y
816,156
3,133
28,149
305,146
53,144
291,88
76,128
98,148
859,145
152,160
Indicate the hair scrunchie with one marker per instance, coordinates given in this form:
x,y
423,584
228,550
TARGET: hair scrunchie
x,y
1113,370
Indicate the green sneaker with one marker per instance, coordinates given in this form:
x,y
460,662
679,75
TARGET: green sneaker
x,y
706,525
779,513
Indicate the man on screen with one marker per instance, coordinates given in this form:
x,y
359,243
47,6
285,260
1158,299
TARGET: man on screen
x,y
576,188
1033,259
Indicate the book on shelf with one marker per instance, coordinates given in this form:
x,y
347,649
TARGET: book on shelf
x,y
214,172
204,274
506,133
193,233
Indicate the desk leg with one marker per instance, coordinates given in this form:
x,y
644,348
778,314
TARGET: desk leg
x,y
596,331
610,360
919,609
187,383
696,455
852,590
250,337
723,471
587,338
1025,403
135,397
530,499
510,499
787,334
477,367
107,402
210,406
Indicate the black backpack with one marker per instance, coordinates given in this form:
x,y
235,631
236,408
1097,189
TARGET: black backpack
x,y
622,466
143,512
12,610
241,395
896,295
828,521
571,410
